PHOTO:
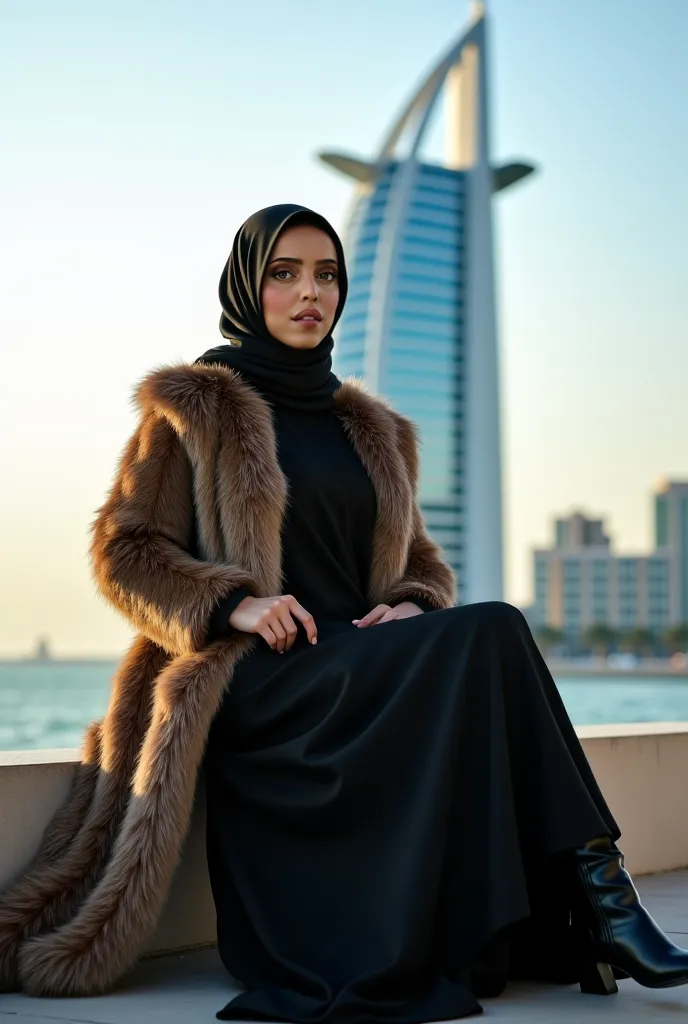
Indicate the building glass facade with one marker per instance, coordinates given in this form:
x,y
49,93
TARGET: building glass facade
x,y
420,368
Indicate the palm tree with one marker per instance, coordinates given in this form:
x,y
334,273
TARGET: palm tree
x,y
600,638
639,641
675,638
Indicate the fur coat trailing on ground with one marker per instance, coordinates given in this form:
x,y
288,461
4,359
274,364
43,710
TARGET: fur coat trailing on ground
x,y
195,512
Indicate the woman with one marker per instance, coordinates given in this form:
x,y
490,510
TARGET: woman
x,y
394,790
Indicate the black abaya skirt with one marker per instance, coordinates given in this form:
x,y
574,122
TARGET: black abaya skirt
x,y
381,805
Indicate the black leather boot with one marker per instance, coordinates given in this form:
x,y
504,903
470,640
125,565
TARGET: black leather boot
x,y
617,935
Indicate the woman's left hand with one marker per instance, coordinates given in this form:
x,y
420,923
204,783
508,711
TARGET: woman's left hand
x,y
383,613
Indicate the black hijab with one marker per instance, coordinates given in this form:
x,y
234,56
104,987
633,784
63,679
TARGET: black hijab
x,y
298,378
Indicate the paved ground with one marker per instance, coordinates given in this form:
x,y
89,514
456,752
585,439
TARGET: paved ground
x,y
192,987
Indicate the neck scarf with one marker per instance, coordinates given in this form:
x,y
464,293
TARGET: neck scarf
x,y
300,379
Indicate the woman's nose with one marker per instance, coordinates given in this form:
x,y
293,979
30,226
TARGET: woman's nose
x,y
310,290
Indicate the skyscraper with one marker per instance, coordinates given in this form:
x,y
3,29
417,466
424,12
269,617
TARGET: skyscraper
x,y
420,323
671,535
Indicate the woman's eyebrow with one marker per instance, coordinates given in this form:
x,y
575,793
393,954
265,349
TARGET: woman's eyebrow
x,y
292,259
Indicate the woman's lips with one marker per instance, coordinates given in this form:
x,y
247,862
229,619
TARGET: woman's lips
x,y
309,318
308,314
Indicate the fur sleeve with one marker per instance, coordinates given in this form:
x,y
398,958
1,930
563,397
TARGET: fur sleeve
x,y
141,540
427,574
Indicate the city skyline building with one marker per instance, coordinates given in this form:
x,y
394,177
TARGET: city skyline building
x,y
581,582
671,535
420,324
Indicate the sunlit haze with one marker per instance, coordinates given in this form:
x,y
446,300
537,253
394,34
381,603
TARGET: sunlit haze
x,y
138,136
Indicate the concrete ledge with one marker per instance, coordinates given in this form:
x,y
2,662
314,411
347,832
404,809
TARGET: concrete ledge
x,y
641,770
626,729
34,783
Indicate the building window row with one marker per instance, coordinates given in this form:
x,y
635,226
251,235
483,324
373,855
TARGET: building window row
x,y
425,199
437,388
369,232
354,317
433,341
401,367
413,303
432,214
423,269
453,185
442,257
347,333
436,229
421,286
447,237
446,303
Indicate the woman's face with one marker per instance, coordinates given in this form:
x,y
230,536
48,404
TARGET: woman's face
x,y
300,290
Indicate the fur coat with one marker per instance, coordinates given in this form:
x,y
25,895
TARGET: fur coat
x,y
195,512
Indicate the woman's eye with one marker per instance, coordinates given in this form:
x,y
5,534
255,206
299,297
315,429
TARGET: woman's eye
x,y
329,275
279,275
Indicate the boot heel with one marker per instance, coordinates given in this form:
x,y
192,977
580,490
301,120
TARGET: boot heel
x,y
597,979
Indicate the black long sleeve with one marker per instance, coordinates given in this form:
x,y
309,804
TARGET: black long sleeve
x,y
218,626
422,602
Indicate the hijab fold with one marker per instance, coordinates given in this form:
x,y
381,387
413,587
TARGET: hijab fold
x,y
299,379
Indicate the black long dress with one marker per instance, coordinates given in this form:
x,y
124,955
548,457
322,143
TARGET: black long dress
x,y
382,804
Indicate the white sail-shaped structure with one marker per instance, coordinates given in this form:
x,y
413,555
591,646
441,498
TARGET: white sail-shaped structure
x,y
420,324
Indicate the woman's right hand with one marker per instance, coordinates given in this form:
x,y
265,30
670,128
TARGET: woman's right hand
x,y
273,618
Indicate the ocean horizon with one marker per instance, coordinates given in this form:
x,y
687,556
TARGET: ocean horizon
x,y
48,704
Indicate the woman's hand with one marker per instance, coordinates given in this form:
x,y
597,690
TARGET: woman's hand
x,y
273,618
383,613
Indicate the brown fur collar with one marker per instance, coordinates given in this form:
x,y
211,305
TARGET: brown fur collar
x,y
227,430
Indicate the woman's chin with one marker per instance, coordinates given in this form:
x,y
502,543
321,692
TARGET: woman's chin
x,y
302,340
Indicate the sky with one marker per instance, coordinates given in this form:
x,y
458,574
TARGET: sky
x,y
137,137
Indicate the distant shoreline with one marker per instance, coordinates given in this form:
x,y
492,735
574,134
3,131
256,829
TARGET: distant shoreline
x,y
643,670
561,669
62,662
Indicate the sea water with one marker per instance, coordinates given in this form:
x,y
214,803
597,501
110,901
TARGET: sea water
x,y
49,704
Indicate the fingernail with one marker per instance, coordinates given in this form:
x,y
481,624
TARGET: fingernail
x,y
355,621
314,640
